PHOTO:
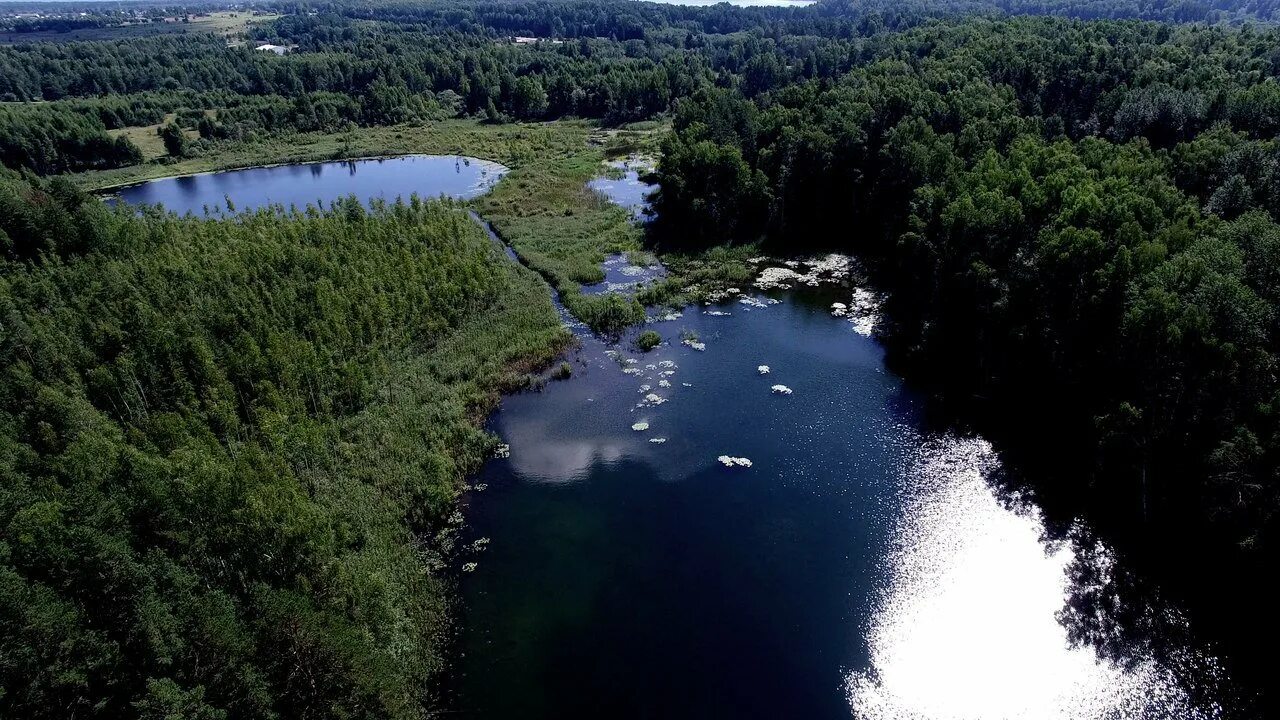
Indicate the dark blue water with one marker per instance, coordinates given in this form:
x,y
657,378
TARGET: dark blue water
x,y
859,566
623,276
632,578
319,183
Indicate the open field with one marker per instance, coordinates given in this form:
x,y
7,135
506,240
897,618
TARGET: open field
x,y
147,138
228,24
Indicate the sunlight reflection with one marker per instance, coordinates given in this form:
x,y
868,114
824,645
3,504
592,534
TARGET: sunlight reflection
x,y
967,626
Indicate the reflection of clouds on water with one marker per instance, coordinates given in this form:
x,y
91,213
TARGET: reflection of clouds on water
x,y
967,625
562,460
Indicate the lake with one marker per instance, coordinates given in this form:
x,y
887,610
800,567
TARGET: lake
x,y
314,183
685,534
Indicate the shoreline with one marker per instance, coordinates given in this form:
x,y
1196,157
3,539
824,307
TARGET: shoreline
x,y
107,191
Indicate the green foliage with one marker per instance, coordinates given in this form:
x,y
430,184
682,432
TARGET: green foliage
x,y
1085,239
648,340
175,142
230,450
52,139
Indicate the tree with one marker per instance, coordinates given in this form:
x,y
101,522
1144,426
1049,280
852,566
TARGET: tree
x,y
175,140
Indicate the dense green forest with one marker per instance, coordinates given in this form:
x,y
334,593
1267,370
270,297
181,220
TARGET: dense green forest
x,y
231,450
216,500
1076,226
368,64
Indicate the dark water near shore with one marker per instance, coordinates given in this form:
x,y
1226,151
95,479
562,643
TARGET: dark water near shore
x,y
319,183
860,566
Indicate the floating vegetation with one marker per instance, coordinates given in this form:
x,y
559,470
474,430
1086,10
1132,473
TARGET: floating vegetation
x,y
762,369
645,388
648,340
652,399
687,384
665,317
632,371
812,272
730,461
481,487
640,426
716,296
665,383
667,364
716,313
699,346
502,451
480,544
754,302
864,311
781,390
469,567
657,441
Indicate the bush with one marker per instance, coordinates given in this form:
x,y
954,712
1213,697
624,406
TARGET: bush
x,y
648,340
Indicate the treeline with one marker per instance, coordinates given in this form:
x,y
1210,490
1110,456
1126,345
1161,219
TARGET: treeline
x,y
229,450
366,64
1076,225
50,139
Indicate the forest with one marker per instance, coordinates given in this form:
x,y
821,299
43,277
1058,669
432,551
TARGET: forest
x,y
1072,207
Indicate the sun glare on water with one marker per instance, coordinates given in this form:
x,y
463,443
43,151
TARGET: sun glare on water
x,y
967,625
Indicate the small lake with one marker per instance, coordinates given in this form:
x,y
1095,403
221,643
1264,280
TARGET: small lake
x,y
319,183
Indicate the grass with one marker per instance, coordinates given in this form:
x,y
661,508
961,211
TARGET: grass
x,y
648,340
147,137
542,208
511,145
564,231
228,24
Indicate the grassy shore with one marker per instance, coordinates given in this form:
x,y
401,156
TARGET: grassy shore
x,y
542,208
512,145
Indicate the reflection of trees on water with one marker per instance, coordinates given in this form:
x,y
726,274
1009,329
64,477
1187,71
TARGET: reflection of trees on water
x,y
1127,622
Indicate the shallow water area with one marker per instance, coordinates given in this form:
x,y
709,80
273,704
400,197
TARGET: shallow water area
x,y
672,537
300,185
624,187
623,276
